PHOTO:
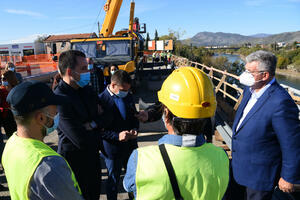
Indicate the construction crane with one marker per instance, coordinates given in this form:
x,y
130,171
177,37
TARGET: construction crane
x,y
124,48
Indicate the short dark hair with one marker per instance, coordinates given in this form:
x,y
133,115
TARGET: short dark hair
x,y
183,126
24,119
110,66
121,77
68,59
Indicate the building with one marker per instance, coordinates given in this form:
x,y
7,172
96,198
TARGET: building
x,y
22,49
160,45
59,43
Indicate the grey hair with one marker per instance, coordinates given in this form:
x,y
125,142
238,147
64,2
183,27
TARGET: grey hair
x,y
267,61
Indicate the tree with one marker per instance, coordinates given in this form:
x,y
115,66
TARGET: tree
x,y
147,40
41,38
282,62
156,36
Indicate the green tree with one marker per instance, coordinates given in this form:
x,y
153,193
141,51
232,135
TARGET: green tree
x,y
156,36
41,38
282,62
147,40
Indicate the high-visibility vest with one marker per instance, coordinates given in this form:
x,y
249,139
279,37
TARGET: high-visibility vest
x,y
21,157
202,172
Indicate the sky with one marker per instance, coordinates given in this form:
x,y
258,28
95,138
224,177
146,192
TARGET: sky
x,y
22,21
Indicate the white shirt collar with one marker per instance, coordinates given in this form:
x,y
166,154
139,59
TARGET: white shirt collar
x,y
110,92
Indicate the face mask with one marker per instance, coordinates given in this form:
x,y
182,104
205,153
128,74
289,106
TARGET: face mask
x,y
4,83
84,79
11,69
112,72
90,66
122,94
55,124
247,79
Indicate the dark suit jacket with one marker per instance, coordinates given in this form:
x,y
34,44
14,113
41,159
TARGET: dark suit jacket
x,y
267,144
81,107
114,124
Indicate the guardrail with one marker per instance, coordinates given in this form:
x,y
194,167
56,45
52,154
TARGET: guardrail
x,y
220,76
212,73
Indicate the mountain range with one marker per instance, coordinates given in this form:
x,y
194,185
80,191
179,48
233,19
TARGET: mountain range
x,y
222,39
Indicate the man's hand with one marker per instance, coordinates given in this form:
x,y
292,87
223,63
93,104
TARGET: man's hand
x,y
142,116
133,134
285,186
124,136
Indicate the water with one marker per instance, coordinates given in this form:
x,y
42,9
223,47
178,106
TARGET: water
x,y
291,81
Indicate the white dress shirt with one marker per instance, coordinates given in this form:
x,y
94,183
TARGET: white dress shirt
x,y
253,99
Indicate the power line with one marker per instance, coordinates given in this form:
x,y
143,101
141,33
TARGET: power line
x,y
95,23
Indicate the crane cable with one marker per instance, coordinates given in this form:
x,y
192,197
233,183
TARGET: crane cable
x,y
104,1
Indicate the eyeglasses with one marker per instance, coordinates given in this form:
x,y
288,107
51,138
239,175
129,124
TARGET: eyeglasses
x,y
253,72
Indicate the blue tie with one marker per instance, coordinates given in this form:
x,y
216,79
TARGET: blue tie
x,y
121,106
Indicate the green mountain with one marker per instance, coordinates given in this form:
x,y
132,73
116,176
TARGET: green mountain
x,y
227,39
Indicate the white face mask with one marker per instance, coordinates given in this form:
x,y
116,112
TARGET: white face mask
x,y
247,79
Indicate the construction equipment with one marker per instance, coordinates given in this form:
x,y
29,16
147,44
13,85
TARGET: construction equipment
x,y
124,48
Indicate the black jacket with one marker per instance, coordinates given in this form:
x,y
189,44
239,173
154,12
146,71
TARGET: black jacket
x,y
81,107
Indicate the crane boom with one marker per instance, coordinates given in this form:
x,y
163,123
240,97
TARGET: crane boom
x,y
112,8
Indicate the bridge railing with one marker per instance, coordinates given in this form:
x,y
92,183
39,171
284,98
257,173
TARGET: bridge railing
x,y
223,128
215,74
222,86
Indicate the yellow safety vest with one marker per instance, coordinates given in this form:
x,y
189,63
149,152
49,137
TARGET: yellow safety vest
x,y
202,172
21,157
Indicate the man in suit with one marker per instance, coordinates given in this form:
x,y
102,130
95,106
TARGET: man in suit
x,y
79,126
119,137
266,133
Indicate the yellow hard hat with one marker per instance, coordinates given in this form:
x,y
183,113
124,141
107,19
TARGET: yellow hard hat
x,y
188,93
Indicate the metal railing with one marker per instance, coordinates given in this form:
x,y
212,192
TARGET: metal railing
x,y
221,87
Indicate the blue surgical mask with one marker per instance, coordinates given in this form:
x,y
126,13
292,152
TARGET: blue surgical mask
x,y
112,72
90,66
11,69
55,124
85,79
4,83
122,94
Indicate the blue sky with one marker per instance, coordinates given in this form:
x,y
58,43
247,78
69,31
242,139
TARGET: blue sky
x,y
22,20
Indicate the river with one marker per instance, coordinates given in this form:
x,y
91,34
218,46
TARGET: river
x,y
285,79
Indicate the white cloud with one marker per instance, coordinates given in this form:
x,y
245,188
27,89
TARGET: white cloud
x,y
27,39
74,18
24,12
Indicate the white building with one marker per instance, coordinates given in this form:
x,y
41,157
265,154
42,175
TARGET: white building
x,y
22,49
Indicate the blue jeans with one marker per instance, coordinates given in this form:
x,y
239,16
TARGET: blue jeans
x,y
114,168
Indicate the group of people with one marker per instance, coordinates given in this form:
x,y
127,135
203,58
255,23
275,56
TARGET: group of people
x,y
265,147
163,56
